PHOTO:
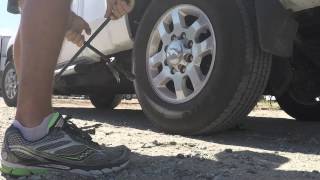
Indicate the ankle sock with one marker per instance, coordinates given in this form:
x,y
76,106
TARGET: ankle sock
x,y
36,133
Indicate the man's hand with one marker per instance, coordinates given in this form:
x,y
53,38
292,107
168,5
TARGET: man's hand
x,y
75,28
118,8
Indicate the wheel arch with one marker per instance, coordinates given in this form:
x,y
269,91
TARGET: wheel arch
x,y
4,61
277,41
9,54
136,15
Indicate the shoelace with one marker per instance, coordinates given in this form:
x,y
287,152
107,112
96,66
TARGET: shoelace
x,y
77,132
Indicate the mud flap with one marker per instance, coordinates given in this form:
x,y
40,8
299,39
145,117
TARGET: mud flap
x,y
277,27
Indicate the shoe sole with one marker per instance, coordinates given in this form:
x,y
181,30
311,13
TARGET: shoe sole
x,y
21,170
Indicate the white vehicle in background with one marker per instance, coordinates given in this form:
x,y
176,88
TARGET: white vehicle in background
x,y
4,40
201,66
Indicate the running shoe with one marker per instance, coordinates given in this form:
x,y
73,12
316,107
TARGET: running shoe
x,y
66,148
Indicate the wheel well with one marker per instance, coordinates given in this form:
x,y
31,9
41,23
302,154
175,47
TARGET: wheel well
x,y
271,13
9,55
137,14
279,39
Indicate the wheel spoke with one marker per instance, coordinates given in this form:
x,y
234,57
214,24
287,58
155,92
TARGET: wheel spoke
x,y
178,21
197,27
161,79
156,59
163,32
180,87
201,49
10,93
196,77
7,92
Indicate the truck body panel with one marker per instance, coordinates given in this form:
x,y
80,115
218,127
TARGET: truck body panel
x,y
299,5
114,38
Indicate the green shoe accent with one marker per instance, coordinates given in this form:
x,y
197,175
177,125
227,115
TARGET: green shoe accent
x,y
21,171
5,170
39,171
53,120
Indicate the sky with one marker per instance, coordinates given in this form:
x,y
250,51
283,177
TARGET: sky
x,y
8,22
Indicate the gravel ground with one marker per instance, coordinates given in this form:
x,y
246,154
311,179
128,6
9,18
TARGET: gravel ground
x,y
269,145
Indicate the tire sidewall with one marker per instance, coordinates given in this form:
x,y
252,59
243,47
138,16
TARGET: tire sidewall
x,y
105,101
224,80
297,110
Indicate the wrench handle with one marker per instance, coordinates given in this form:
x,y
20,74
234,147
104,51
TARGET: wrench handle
x,y
83,47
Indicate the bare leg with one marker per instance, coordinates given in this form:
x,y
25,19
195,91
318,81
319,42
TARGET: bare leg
x,y
43,26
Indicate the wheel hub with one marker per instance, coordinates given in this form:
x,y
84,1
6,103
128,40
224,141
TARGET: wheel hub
x,y
177,55
175,52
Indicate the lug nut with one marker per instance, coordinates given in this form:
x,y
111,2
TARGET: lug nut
x,y
173,71
173,37
190,44
189,58
182,69
166,62
183,36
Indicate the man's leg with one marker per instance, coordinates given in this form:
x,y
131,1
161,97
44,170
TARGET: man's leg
x,y
63,146
43,25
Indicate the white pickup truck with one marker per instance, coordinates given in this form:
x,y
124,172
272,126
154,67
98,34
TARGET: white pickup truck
x,y
200,66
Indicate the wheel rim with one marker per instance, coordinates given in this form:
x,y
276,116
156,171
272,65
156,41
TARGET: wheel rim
x,y
181,54
11,84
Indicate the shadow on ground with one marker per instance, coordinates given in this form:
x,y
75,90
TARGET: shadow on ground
x,y
241,165
275,134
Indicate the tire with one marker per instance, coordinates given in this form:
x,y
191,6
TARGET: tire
x,y
9,85
105,102
297,110
239,76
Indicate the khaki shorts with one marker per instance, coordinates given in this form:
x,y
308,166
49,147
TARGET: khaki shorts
x,y
13,6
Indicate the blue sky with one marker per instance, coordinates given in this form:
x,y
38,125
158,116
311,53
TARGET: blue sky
x,y
8,22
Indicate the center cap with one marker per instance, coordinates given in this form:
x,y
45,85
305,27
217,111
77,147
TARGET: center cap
x,y
175,52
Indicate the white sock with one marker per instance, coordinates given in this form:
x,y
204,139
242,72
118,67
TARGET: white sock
x,y
36,133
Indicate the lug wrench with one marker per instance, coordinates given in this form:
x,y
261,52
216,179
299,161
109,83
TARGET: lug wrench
x,y
114,68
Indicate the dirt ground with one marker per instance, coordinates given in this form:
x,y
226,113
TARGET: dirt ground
x,y
269,145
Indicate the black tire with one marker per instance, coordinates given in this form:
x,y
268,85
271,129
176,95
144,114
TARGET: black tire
x,y
238,80
297,110
105,101
10,101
